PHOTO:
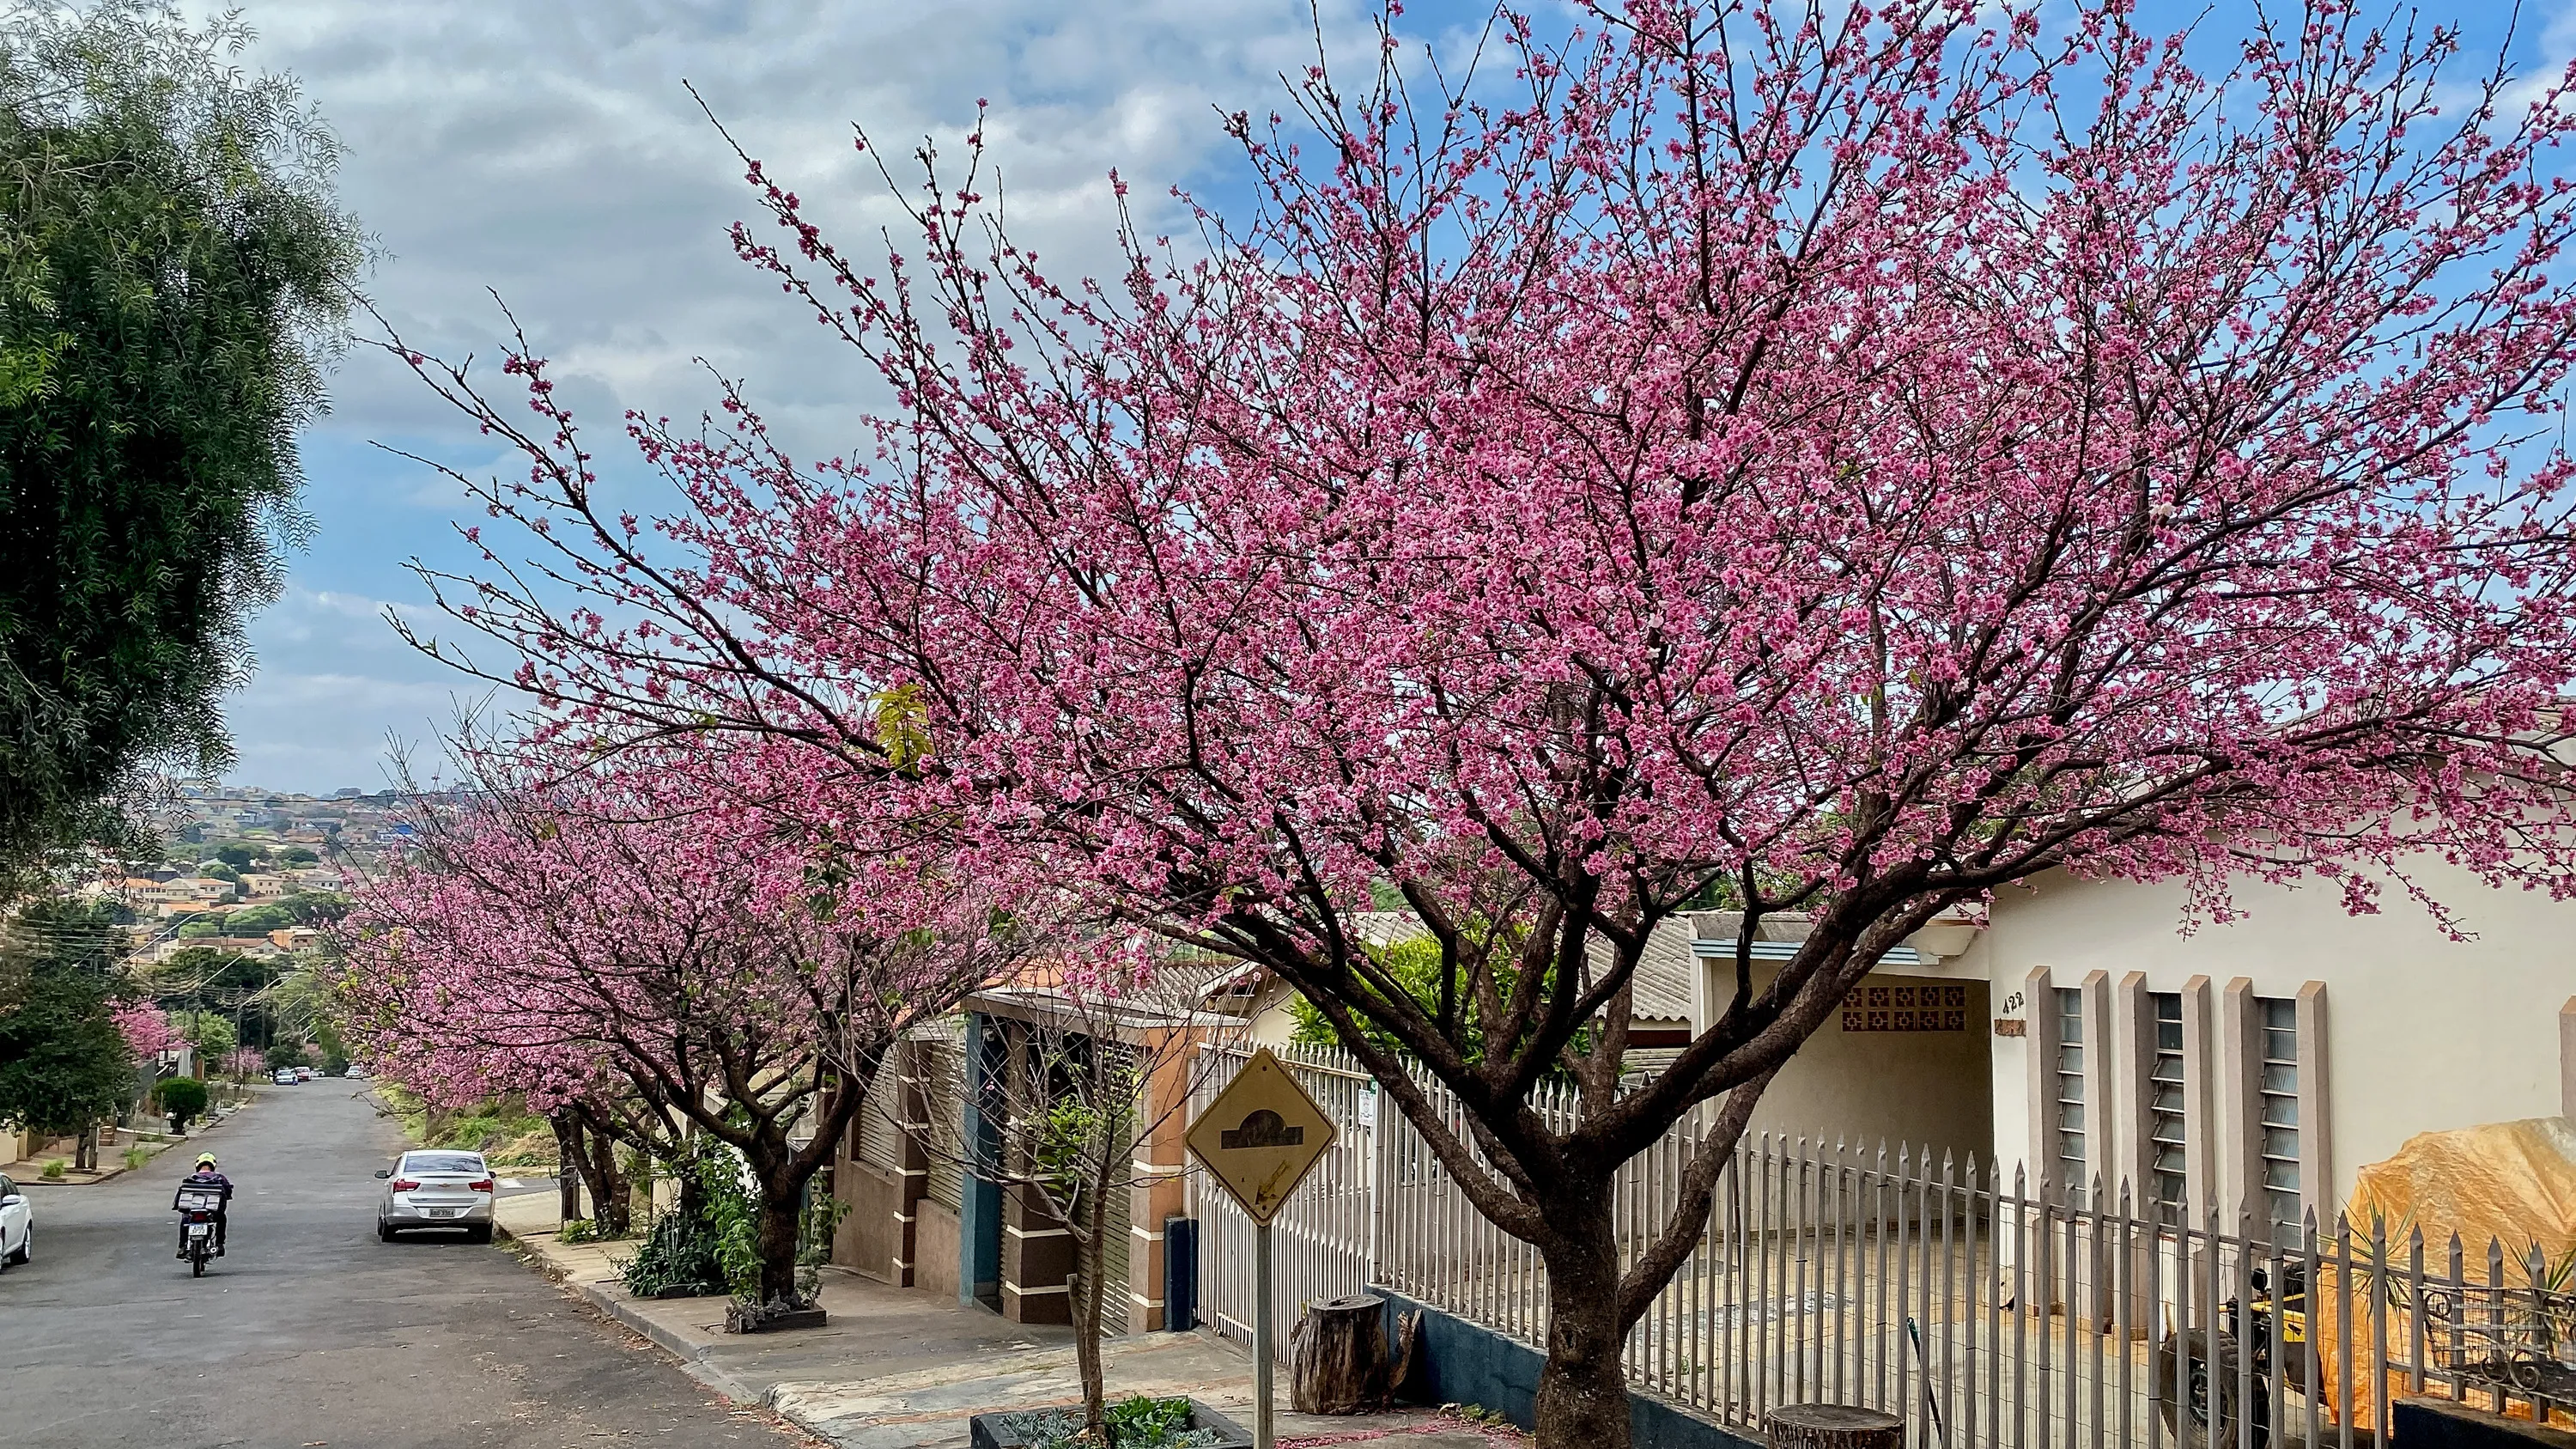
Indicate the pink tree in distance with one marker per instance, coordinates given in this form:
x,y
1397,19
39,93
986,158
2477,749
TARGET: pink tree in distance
x,y
1842,461
546,932
146,1028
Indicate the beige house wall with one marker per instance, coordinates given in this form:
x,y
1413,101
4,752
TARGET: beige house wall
x,y
1906,1089
2425,1033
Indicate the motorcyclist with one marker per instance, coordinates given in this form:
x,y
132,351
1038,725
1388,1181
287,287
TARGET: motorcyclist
x,y
203,1178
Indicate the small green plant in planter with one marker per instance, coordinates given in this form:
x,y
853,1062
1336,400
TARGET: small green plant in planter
x,y
135,1157
1136,1423
54,1170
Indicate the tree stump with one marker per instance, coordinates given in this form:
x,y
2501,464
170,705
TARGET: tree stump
x,y
1833,1426
1337,1356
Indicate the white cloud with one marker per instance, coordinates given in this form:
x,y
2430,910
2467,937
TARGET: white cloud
x,y
550,153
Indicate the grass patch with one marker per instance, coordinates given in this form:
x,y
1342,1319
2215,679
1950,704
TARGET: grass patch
x,y
503,1130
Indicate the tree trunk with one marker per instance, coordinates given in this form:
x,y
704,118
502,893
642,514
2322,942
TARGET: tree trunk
x,y
568,1169
608,1197
1089,1251
778,1224
1337,1357
1582,1391
1832,1426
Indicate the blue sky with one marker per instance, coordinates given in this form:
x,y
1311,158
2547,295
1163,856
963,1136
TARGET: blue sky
x,y
548,152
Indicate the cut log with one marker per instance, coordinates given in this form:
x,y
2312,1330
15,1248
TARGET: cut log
x,y
1337,1357
1833,1426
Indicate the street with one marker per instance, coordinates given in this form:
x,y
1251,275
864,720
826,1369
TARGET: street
x,y
310,1332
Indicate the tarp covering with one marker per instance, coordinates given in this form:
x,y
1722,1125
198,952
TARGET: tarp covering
x,y
2511,1184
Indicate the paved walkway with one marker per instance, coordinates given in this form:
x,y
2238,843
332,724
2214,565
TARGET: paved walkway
x,y
114,1143
900,1369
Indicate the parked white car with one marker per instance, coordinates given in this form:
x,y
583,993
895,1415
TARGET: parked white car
x,y
429,1188
17,1225
286,1077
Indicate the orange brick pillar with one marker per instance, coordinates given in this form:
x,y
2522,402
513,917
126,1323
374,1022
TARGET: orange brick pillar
x,y
1157,1191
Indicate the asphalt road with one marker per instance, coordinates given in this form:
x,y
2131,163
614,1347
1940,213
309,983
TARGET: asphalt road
x,y
309,1332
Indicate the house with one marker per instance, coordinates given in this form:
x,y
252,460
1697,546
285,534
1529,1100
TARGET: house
x,y
937,1198
2081,1032
2255,1067
1896,1071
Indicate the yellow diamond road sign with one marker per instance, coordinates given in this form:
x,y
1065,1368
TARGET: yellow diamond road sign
x,y
1261,1135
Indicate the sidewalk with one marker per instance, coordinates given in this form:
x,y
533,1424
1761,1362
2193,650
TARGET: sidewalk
x,y
897,1368
32,1169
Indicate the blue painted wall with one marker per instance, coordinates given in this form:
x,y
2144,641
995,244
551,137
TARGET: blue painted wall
x,y
979,1204
1461,1363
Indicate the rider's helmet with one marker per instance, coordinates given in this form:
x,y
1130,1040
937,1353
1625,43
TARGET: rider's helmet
x,y
205,1159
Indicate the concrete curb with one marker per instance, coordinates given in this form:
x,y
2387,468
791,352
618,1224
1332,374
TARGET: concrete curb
x,y
616,1305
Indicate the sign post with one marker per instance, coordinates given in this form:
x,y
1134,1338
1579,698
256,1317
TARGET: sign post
x,y
1259,1139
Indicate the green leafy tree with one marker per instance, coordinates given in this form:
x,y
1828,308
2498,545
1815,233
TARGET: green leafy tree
x,y
239,857
63,1063
281,1055
173,276
298,855
260,920
315,908
212,1035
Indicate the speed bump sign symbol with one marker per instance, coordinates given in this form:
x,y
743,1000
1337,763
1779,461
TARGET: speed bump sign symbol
x,y
1261,1136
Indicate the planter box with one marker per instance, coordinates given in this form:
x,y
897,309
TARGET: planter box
x,y
1003,1430
739,1319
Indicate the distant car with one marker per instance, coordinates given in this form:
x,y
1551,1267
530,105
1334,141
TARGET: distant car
x,y
304,1074
286,1077
17,1225
429,1188
355,1074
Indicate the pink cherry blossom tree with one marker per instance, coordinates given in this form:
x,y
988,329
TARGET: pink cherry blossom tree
x,y
147,1030
622,941
1841,460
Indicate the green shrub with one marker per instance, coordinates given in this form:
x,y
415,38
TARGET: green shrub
x,y
183,1098
711,1242
54,1170
135,1157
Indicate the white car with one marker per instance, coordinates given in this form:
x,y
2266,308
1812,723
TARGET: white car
x,y
17,1225
430,1188
286,1077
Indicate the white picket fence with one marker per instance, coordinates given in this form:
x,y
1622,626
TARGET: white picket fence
x,y
1980,1310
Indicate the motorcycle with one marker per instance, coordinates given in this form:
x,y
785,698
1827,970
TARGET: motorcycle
x,y
197,1228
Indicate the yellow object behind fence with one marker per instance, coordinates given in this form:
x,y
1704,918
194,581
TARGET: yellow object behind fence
x,y
2507,1183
